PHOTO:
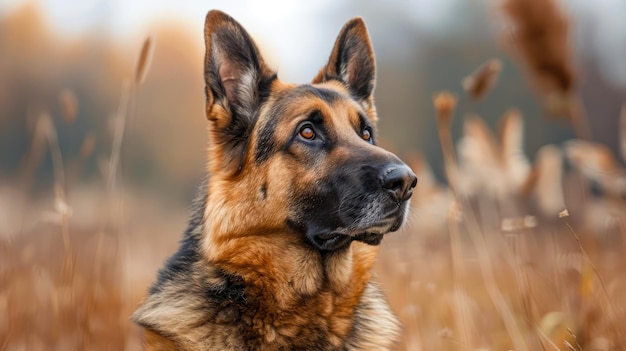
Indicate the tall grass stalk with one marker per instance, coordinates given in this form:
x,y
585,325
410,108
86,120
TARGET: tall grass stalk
x,y
462,315
444,105
62,209
612,309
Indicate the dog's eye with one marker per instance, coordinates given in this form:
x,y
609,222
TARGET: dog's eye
x,y
307,132
367,135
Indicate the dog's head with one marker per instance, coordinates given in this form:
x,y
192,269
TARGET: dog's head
x,y
298,158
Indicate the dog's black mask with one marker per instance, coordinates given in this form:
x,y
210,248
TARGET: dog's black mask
x,y
359,201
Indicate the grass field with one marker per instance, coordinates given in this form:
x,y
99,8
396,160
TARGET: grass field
x,y
524,285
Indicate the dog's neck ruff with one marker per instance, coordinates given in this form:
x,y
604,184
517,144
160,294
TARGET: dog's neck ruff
x,y
267,290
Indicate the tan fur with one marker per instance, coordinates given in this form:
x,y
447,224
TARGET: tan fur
x,y
155,342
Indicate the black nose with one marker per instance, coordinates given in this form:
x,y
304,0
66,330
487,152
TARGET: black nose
x,y
399,180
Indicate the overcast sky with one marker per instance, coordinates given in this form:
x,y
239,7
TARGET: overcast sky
x,y
283,24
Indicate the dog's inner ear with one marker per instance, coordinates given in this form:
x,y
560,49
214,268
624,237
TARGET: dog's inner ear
x,y
352,62
236,80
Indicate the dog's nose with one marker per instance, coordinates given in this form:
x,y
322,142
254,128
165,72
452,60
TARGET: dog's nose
x,y
399,180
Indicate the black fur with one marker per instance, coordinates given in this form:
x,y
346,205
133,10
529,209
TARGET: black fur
x,y
354,65
231,46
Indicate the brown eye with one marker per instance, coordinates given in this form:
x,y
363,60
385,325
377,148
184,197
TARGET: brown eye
x,y
367,135
307,133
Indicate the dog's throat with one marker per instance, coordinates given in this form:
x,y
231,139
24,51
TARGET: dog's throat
x,y
328,242
337,241
369,238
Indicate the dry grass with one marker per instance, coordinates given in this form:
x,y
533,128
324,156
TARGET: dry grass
x,y
486,263
480,82
143,63
539,37
58,299
69,105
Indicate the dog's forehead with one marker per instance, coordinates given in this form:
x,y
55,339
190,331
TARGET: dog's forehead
x,y
332,99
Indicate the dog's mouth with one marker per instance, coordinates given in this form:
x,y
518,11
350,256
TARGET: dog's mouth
x,y
327,239
367,220
337,241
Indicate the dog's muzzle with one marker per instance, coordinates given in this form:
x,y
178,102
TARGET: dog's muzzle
x,y
369,210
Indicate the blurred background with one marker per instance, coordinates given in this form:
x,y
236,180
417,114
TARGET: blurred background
x,y
102,147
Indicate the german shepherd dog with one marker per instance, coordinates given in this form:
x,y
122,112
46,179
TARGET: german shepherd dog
x,y
285,231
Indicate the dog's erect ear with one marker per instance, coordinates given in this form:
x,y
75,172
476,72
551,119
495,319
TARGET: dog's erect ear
x,y
236,81
352,62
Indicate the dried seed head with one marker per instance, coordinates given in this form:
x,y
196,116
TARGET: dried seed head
x,y
477,129
592,159
88,146
480,159
559,104
564,214
69,105
597,163
511,134
480,82
145,58
445,103
549,184
539,38
44,125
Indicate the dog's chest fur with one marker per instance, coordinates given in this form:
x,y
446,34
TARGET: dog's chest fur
x,y
197,306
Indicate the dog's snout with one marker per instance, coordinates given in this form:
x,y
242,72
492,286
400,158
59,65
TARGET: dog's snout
x,y
399,180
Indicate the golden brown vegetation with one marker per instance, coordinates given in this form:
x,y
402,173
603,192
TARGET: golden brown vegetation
x,y
513,254
480,82
539,38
